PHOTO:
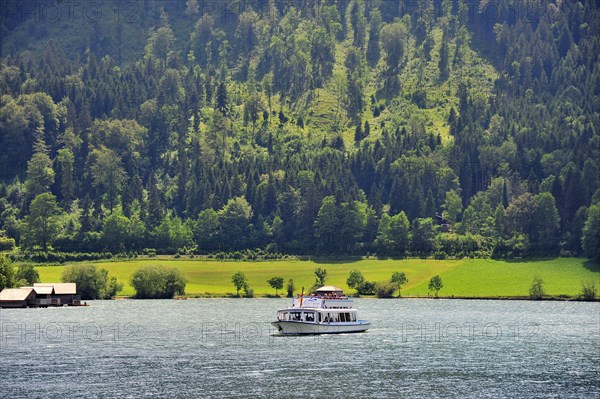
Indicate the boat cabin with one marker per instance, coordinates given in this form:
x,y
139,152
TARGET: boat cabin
x,y
327,305
318,315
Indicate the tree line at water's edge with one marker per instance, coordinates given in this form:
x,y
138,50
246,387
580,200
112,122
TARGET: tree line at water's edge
x,y
330,128
155,281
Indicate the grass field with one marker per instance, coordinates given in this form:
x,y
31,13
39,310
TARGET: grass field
x,y
465,278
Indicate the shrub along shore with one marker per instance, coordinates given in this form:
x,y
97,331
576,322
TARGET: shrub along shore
x,y
562,278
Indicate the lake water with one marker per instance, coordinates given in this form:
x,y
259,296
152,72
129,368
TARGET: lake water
x,y
224,348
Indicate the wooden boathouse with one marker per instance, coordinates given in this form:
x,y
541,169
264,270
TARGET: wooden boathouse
x,y
17,298
40,295
66,292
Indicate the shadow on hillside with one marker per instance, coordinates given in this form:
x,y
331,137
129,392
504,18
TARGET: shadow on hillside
x,y
336,261
528,260
589,264
592,266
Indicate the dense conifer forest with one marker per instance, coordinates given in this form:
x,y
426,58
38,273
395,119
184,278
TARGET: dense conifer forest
x,y
323,127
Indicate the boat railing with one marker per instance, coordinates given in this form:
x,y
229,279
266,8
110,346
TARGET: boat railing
x,y
338,297
323,302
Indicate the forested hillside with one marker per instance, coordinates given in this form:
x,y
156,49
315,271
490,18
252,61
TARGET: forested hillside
x,y
347,127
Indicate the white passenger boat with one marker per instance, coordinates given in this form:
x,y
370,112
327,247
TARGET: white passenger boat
x,y
328,311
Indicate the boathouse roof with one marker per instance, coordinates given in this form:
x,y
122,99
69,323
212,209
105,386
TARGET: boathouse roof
x,y
60,288
43,290
15,294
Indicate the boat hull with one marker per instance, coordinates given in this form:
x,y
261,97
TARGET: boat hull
x,y
299,327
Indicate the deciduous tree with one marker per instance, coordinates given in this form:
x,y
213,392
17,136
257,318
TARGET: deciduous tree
x,y
320,274
42,223
393,38
27,272
276,282
452,206
239,281
435,284
7,272
423,236
108,173
92,282
591,233
399,279
158,282
235,219
355,279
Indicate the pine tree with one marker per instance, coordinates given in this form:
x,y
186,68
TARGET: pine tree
x,y
443,62
358,134
222,98
373,53
65,162
40,174
155,210
367,130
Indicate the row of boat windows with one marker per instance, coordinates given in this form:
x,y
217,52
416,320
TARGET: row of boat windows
x,y
325,317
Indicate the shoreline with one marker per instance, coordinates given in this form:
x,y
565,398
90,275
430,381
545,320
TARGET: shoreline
x,y
484,298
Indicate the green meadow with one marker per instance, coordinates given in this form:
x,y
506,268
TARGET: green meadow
x,y
462,278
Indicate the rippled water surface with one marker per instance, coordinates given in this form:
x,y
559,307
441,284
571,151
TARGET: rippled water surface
x,y
222,348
